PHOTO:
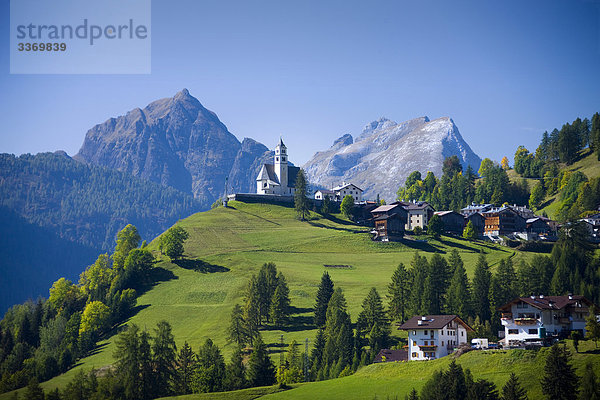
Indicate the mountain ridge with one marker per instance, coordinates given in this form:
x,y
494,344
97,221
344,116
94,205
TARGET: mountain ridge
x,y
386,152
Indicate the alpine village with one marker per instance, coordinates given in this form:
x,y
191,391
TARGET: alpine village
x,y
472,282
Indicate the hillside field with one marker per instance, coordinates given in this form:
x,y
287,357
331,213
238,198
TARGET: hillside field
x,y
228,245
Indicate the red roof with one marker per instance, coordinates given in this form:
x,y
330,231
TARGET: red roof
x,y
432,322
549,302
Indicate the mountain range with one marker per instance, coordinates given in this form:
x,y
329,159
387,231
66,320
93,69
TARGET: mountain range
x,y
153,166
386,152
177,142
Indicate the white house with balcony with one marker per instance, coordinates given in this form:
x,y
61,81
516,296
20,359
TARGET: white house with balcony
x,y
532,319
434,336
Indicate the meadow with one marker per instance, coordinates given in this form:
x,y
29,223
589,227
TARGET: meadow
x,y
228,245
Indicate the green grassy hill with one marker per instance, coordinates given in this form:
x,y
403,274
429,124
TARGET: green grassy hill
x,y
588,164
395,380
228,245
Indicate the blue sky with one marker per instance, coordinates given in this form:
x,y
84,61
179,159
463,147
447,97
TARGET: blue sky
x,y
315,70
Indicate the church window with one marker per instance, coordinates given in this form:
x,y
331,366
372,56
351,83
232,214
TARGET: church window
x,y
276,158
282,158
265,184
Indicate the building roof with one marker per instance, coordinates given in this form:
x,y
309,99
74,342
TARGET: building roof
x,y
475,214
387,355
432,322
532,220
548,302
325,191
268,172
385,208
474,206
442,213
345,185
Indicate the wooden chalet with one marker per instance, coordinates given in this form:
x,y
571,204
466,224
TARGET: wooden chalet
x,y
389,222
453,221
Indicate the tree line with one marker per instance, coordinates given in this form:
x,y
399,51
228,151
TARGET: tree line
x,y
578,195
456,189
39,340
559,381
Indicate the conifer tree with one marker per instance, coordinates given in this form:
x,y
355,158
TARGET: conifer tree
x,y
237,326
164,353
469,232
280,304
127,356
337,352
251,315
413,395
481,289
323,295
420,267
592,326
300,196
453,380
559,381
512,390
590,388
210,370
373,321
186,365
147,381
435,227
265,286
34,391
436,284
235,372
316,355
261,371
399,293
459,295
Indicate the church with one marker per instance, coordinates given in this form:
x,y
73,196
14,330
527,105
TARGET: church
x,y
277,178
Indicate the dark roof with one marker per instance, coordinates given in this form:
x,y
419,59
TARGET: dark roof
x,y
386,216
391,355
442,213
475,215
432,322
418,206
385,208
548,302
292,174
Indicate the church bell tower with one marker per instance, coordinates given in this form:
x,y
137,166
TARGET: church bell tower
x,y
281,166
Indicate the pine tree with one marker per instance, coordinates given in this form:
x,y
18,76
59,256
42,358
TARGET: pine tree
x,y
413,395
483,390
420,267
454,381
399,293
280,304
435,227
261,371
164,353
251,315
323,295
235,372
147,378
373,321
559,381
436,284
459,296
210,370
127,356
481,288
590,388
469,232
338,334
512,390
237,326
265,286
34,391
316,355
300,197
186,364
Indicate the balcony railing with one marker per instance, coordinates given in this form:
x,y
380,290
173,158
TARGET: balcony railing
x,y
506,316
428,347
525,321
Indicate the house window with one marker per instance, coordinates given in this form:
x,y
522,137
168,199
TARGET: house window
x,y
442,342
265,184
282,158
414,355
276,158
425,333
513,331
462,333
414,333
533,331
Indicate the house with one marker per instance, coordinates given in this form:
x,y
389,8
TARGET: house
x,y
523,211
531,319
537,225
453,221
434,336
593,225
478,222
475,208
339,192
389,222
321,194
277,178
502,221
419,214
553,225
387,355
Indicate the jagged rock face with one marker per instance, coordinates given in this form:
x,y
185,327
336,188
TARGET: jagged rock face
x,y
385,153
175,142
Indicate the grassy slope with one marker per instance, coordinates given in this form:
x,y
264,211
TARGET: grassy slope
x,y
238,241
395,380
588,164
